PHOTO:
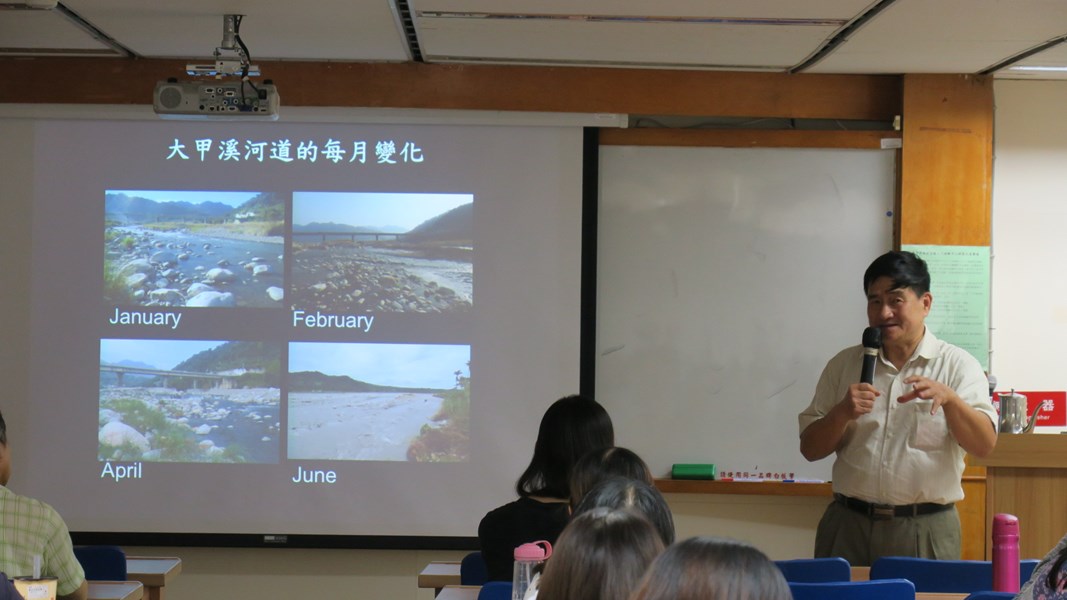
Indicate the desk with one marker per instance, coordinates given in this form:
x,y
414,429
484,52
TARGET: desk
x,y
459,592
438,574
154,572
1027,477
116,590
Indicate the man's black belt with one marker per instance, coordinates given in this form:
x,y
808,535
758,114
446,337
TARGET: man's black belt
x,y
888,511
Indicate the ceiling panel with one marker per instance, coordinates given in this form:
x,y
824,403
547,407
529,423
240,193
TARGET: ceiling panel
x,y
1053,58
614,43
272,29
46,30
946,36
767,9
908,36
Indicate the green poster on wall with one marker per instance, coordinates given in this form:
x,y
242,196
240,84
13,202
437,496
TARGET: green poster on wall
x,y
959,283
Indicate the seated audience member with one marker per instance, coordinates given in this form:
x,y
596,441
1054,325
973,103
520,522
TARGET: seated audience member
x,y
31,528
621,493
571,427
602,463
1049,580
708,568
7,589
601,555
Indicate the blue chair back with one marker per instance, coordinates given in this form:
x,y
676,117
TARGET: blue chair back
x,y
885,589
495,590
991,596
102,563
944,576
815,570
472,570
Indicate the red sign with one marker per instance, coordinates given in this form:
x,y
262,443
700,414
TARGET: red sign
x,y
1053,411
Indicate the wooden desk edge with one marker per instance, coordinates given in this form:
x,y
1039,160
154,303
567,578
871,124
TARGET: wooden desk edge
x,y
135,591
459,592
155,578
439,573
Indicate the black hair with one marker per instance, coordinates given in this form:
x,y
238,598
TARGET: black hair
x,y
600,464
709,568
571,427
601,555
904,269
635,495
3,430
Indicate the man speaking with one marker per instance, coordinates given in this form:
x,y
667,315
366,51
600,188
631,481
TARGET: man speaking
x,y
900,439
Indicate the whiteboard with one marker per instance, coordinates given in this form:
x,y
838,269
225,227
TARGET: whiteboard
x,y
726,279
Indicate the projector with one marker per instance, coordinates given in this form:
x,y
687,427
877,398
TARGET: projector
x,y
236,100
220,68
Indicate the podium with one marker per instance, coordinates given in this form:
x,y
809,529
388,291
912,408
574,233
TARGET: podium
x,y
1026,476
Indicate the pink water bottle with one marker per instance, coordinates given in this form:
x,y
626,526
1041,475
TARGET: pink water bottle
x,y
527,556
1005,553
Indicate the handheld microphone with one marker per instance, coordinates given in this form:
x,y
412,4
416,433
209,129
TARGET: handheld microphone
x,y
872,341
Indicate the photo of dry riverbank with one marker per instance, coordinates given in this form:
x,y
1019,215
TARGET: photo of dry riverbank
x,y
379,402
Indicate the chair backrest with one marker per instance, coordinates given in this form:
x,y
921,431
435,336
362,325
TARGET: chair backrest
x,y
495,590
885,589
815,570
472,570
102,563
944,576
991,596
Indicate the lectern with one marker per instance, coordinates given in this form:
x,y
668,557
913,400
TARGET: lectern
x,y
1026,476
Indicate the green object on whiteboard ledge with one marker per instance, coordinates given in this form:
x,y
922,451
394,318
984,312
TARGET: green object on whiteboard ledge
x,y
693,471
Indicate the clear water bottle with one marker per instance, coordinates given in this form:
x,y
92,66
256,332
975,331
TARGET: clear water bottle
x,y
1005,553
527,557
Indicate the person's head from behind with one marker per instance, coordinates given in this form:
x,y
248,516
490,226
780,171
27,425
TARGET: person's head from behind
x,y
602,463
897,285
600,555
572,426
621,493
708,568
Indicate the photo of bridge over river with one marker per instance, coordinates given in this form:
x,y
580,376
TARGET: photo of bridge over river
x,y
370,252
167,248
189,401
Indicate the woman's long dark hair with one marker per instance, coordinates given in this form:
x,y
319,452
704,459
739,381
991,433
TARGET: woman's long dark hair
x,y
570,428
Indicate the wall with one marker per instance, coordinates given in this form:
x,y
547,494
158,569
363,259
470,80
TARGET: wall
x,y
1029,302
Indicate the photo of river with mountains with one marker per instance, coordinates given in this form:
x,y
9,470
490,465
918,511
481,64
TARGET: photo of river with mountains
x,y
358,253
199,248
379,402
189,401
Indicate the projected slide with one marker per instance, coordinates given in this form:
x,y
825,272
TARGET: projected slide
x,y
379,402
189,401
307,328
357,252
167,248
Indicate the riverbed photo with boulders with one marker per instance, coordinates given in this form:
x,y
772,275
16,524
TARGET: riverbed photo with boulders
x,y
216,249
378,252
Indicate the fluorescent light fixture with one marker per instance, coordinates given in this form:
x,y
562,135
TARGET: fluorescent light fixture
x,y
1035,68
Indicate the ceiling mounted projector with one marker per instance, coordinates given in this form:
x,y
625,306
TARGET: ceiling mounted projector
x,y
236,100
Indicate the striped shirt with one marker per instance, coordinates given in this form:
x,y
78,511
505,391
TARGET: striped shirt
x,y
31,528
